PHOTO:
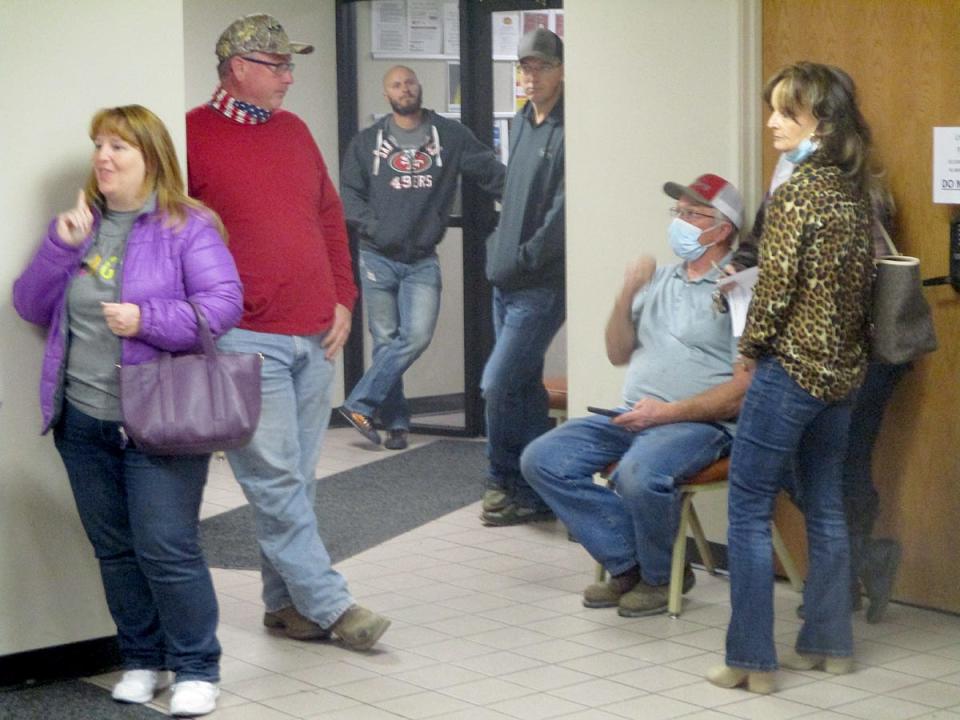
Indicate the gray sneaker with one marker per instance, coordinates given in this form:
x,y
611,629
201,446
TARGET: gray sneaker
x,y
359,628
494,500
362,424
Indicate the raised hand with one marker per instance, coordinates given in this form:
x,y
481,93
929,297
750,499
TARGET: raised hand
x,y
73,226
638,274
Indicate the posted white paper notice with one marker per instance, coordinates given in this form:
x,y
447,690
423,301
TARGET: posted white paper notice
x,y
738,289
946,165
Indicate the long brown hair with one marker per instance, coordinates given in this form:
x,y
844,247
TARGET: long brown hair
x,y
142,129
830,95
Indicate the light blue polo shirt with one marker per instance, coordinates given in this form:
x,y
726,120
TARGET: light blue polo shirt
x,y
684,345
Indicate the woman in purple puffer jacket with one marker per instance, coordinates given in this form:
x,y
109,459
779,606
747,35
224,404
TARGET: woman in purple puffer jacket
x,y
111,281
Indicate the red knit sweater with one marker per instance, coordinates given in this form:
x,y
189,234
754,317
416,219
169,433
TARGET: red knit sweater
x,y
285,222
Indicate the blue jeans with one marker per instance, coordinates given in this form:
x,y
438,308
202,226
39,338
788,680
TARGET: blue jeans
x,y
141,513
402,301
277,473
517,406
635,525
786,435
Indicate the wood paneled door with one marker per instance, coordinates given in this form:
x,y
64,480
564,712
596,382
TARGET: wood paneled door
x,y
905,58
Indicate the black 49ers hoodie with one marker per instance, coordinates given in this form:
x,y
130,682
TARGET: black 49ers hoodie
x,y
399,199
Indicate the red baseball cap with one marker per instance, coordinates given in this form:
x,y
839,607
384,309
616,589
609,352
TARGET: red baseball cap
x,y
714,191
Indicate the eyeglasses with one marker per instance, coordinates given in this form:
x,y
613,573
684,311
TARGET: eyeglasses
x,y
277,68
537,68
687,214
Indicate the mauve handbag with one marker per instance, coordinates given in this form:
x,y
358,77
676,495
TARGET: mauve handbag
x,y
192,404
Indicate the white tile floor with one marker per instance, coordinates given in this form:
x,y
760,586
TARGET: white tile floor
x,y
487,623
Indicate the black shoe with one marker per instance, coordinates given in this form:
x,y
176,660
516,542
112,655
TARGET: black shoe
x,y
396,440
513,514
362,424
881,560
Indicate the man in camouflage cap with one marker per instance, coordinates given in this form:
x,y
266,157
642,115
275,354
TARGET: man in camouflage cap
x,y
257,33
258,166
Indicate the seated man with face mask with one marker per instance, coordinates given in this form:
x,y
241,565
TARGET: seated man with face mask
x,y
681,397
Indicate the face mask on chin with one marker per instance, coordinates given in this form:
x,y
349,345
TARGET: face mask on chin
x,y
685,240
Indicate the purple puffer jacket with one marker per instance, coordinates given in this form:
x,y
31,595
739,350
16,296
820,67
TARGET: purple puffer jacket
x,y
162,267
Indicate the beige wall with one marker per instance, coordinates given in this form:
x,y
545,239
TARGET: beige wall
x,y
655,92
64,64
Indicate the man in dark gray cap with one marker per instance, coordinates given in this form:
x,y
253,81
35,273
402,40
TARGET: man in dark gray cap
x,y
525,263
260,169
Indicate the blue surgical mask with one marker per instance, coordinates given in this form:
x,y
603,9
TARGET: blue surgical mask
x,y
802,151
685,240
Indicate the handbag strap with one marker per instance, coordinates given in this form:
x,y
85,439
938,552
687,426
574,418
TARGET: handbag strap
x,y
886,238
206,337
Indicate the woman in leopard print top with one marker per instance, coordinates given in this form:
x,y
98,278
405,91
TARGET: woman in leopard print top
x,y
806,339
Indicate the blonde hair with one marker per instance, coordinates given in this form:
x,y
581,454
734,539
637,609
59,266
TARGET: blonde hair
x,y
143,130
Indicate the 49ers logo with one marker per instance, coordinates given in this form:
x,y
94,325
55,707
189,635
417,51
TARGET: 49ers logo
x,y
408,161
409,164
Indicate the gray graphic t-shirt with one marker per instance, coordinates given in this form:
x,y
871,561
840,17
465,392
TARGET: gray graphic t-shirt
x,y
93,382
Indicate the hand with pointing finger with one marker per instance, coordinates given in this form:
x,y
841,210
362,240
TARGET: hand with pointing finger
x,y
74,225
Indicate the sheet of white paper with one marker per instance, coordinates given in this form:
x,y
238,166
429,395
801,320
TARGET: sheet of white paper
x,y
739,291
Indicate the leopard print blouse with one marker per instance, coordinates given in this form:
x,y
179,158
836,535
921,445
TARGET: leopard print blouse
x,y
810,307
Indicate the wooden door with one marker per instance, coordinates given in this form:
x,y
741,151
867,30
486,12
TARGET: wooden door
x,y
905,58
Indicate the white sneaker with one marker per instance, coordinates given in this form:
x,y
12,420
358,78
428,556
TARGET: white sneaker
x,y
193,697
136,686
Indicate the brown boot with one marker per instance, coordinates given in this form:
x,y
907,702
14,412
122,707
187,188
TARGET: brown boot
x,y
359,628
294,625
607,594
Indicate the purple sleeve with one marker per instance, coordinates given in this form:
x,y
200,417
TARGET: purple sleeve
x,y
39,289
210,280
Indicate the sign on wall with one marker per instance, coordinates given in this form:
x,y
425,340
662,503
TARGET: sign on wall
x,y
430,29
422,29
946,165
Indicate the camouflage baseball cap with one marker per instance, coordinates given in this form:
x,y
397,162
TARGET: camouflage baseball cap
x,y
257,33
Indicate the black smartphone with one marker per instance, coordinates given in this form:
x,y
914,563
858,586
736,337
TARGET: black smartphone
x,y
604,411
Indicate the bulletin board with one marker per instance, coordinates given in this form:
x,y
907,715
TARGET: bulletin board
x,y
421,29
430,29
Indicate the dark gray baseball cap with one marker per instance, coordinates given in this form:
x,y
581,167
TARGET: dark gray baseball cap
x,y
541,44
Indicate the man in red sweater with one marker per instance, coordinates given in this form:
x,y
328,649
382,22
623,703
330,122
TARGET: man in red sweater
x,y
258,166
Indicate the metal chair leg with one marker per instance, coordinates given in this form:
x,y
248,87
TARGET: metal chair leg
x,y
675,601
700,538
